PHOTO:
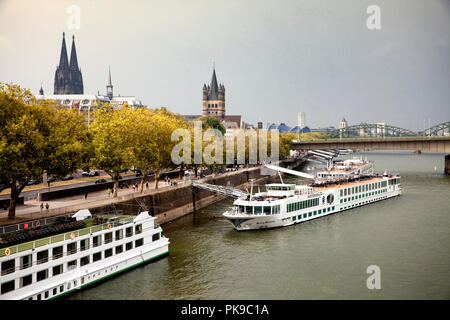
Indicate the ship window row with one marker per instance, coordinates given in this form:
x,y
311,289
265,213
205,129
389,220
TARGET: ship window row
x,y
280,188
59,269
363,203
267,210
364,195
43,256
362,188
302,205
313,213
394,181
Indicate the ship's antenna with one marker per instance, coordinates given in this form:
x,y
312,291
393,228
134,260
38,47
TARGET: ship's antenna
x,y
251,188
280,177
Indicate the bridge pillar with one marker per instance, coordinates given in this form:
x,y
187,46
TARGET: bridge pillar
x,y
447,164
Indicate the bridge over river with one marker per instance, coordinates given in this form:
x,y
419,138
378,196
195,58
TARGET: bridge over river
x,y
433,144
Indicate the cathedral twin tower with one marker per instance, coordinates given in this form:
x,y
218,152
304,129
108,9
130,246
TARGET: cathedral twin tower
x,y
68,78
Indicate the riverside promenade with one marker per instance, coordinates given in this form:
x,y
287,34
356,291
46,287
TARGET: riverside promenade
x,y
166,203
31,209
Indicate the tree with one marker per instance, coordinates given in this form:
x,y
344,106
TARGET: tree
x,y
152,144
35,137
112,140
211,123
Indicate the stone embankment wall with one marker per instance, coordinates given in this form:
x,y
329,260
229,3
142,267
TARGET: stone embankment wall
x,y
175,202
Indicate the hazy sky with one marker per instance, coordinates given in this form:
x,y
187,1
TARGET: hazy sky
x,y
275,58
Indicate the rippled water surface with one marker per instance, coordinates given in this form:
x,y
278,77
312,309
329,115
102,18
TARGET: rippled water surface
x,y
407,237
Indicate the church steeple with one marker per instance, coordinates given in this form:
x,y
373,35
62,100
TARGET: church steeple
x,y
109,86
213,102
73,56
63,62
213,88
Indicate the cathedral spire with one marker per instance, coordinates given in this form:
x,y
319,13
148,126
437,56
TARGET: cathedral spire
x,y
73,56
63,62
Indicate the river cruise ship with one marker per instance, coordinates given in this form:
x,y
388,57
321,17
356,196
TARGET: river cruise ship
x,y
50,261
340,186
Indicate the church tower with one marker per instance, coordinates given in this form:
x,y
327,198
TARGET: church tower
x,y
68,78
214,99
109,86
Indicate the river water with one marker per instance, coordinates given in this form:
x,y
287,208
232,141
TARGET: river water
x,y
407,237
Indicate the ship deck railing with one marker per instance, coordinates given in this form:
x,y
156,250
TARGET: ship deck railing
x,y
33,244
42,222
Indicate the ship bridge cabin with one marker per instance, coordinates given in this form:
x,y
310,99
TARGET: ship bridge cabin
x,y
279,190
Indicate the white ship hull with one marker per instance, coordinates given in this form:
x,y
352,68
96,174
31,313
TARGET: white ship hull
x,y
136,248
242,222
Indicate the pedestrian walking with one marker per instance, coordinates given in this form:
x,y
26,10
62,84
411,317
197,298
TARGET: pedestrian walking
x,y
146,185
85,195
109,192
47,206
42,207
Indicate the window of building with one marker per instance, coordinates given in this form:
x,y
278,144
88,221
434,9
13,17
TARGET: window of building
x,y
25,281
8,266
129,246
8,286
155,237
258,210
25,261
84,244
267,210
72,248
46,295
138,243
71,264
57,252
119,249
84,261
119,234
129,232
55,291
57,270
96,256
108,237
138,229
42,275
108,253
42,256
96,241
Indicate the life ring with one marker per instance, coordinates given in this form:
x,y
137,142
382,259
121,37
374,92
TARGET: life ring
x,y
7,251
72,236
109,226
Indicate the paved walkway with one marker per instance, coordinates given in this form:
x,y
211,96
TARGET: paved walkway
x,y
31,209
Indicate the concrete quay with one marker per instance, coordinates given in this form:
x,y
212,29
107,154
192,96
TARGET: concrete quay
x,y
166,203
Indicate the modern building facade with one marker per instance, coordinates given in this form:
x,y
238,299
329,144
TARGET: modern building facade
x,y
301,119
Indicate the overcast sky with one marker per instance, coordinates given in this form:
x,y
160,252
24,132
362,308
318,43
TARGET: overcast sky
x,y
275,58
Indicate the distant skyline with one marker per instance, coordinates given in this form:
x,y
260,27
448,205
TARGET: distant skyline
x,y
275,58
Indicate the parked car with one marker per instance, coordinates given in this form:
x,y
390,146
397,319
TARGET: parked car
x,y
100,181
51,179
32,182
85,174
68,177
93,174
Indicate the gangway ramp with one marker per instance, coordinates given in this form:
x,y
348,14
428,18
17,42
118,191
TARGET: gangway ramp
x,y
228,191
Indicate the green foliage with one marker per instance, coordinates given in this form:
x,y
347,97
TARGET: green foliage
x,y
35,137
213,123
